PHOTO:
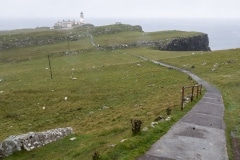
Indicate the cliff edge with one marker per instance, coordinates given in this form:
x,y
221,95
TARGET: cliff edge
x,y
195,43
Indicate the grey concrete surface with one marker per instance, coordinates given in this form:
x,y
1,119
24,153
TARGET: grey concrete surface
x,y
199,135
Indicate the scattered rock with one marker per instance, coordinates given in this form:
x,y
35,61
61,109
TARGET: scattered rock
x,y
123,140
168,118
72,139
105,107
65,98
112,145
153,124
145,129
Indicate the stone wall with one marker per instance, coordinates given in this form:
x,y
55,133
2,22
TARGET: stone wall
x,y
31,140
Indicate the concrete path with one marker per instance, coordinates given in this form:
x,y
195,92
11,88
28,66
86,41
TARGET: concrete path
x,y
199,135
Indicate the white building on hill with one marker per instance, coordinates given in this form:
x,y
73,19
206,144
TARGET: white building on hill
x,y
69,23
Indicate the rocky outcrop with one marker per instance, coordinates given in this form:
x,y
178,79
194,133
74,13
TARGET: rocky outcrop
x,y
31,140
195,43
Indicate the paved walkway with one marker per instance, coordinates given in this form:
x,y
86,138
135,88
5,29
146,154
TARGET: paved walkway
x,y
199,135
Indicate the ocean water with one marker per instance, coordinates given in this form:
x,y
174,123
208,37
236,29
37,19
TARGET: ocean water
x,y
222,33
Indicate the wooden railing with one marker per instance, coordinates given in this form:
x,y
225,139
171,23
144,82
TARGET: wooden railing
x,y
193,93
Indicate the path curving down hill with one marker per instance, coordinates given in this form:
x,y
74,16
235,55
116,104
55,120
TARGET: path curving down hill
x,y
199,135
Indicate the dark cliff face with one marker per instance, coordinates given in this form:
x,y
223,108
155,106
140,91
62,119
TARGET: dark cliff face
x,y
196,43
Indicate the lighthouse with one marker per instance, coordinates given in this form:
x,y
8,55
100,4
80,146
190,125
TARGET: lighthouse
x,y
81,18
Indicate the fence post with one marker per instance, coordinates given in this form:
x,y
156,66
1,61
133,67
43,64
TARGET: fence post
x,y
200,89
182,98
197,90
192,93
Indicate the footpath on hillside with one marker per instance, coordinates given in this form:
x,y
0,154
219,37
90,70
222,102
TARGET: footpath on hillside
x,y
199,135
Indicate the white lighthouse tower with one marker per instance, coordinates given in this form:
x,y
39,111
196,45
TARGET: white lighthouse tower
x,y
81,18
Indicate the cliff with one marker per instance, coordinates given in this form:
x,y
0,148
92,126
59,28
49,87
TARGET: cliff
x,y
109,37
193,43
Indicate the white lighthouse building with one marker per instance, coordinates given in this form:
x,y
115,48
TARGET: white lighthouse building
x,y
65,24
82,18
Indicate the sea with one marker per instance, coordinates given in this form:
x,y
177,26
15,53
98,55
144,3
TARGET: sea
x,y
223,33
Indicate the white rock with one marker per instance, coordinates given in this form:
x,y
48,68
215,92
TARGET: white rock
x,y
123,140
168,119
1,91
105,107
74,78
65,98
145,129
112,145
43,108
153,124
72,139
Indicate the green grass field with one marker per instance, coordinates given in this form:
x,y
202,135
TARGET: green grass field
x,y
111,88
104,90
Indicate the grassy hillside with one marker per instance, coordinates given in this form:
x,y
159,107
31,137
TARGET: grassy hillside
x,y
111,88
104,89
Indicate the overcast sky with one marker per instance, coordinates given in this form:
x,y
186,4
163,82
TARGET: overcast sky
x,y
120,8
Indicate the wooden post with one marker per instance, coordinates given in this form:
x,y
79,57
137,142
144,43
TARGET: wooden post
x,y
192,93
50,68
200,89
197,90
182,98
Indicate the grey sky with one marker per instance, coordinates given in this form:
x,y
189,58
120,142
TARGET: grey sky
x,y
120,8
